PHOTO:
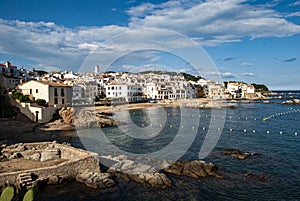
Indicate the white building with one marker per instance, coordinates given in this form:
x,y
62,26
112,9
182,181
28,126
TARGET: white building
x,y
124,92
55,94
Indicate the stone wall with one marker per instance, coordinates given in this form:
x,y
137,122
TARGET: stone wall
x,y
44,113
78,161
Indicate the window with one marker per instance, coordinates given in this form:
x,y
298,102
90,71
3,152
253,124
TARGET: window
x,y
62,92
30,91
55,100
120,88
112,88
55,92
36,91
63,101
108,88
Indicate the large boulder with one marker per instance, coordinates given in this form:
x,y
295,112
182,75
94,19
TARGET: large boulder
x,y
194,168
238,154
95,179
130,170
50,154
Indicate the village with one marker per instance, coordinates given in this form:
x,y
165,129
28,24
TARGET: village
x,y
38,94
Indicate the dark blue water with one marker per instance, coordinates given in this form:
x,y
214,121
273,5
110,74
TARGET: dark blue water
x,y
275,141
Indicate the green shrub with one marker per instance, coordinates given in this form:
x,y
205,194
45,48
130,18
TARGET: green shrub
x,y
29,196
40,102
8,194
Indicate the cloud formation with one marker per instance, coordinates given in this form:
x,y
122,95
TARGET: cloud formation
x,y
249,74
289,60
213,22
228,59
247,64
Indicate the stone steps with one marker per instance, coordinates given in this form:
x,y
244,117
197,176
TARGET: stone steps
x,y
25,180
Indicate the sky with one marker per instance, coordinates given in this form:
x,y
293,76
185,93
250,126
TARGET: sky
x,y
254,41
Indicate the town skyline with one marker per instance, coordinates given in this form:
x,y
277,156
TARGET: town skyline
x,y
249,41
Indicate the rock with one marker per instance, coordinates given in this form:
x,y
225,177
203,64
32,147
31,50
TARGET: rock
x,y
237,154
194,168
35,156
15,156
50,154
95,180
175,168
52,180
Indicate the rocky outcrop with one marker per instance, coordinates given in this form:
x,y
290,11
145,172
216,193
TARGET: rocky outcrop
x,y
85,118
238,154
95,179
130,170
194,168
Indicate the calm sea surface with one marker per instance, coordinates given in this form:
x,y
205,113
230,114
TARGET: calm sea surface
x,y
275,140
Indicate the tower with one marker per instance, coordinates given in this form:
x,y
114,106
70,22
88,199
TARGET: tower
x,y
97,68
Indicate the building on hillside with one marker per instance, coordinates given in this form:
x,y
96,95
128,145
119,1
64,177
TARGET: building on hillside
x,y
9,82
216,91
55,94
124,92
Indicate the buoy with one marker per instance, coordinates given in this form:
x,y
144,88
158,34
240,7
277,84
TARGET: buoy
x,y
254,119
230,130
151,125
193,127
160,125
246,118
268,132
203,128
280,132
142,125
230,117
219,129
296,133
181,126
171,126
245,130
254,131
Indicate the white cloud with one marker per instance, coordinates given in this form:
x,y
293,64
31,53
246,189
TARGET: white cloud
x,y
50,44
295,14
214,21
247,64
249,74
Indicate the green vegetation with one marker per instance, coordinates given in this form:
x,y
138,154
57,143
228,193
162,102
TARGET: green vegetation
x,y
260,87
22,98
41,72
190,77
40,102
29,196
6,110
186,76
8,194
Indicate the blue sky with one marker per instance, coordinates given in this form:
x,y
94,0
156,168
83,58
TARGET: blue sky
x,y
253,41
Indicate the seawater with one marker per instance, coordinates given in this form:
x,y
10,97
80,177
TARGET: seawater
x,y
275,142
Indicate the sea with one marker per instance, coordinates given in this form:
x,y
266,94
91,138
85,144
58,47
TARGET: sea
x,y
269,130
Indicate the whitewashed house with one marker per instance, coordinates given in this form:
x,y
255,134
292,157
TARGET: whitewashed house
x,y
55,94
124,92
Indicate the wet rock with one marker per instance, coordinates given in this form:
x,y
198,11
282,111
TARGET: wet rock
x,y
95,179
237,154
194,168
130,170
